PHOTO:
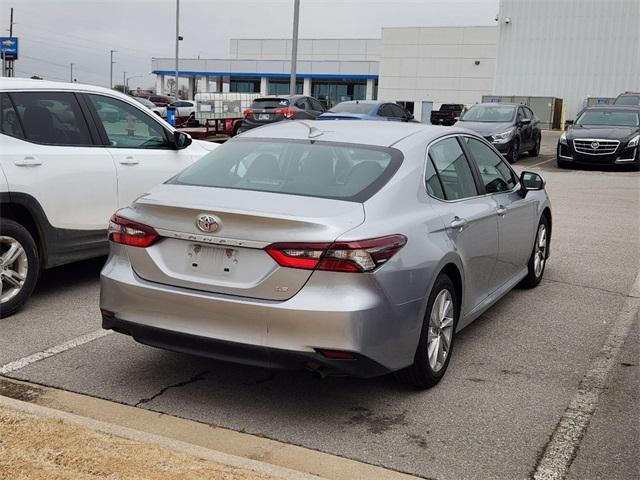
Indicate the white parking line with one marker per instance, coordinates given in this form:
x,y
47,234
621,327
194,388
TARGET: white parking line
x,y
541,163
561,449
50,352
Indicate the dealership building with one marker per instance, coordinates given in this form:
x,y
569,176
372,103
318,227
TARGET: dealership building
x,y
561,49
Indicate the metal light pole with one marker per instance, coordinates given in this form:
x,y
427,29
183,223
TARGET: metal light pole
x,y
124,81
111,69
294,47
177,43
71,72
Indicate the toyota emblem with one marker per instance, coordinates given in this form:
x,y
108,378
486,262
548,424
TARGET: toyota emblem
x,y
207,223
595,145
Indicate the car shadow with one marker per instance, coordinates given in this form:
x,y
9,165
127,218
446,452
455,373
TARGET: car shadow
x,y
69,276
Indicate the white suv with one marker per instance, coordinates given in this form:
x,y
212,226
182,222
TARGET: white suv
x,y
70,156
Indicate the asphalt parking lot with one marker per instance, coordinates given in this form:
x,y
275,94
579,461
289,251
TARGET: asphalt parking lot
x,y
513,374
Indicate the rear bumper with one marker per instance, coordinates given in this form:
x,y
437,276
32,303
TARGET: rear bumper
x,y
345,312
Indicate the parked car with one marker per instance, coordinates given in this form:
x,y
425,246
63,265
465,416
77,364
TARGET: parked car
x,y
332,254
628,98
271,109
160,111
161,100
511,128
448,114
71,154
606,135
367,110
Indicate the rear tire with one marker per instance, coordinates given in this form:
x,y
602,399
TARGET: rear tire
x,y
236,127
538,259
19,266
437,336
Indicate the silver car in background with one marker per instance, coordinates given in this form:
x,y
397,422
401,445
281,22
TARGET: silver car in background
x,y
358,248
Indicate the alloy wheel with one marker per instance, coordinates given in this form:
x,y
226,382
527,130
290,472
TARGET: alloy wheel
x,y
14,266
440,330
540,251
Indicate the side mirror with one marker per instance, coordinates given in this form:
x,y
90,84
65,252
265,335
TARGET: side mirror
x,y
531,181
181,140
525,121
568,123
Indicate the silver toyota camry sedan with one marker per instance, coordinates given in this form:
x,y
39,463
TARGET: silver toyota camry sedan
x,y
355,248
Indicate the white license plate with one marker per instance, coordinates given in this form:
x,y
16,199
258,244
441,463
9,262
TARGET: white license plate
x,y
213,261
264,116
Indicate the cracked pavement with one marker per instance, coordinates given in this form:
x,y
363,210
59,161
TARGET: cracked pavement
x,y
511,378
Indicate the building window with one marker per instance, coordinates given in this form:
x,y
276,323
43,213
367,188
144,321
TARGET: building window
x,y
244,85
281,87
333,92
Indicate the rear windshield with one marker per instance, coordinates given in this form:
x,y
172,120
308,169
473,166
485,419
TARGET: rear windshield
x,y
270,103
490,113
352,108
450,107
608,117
628,100
297,167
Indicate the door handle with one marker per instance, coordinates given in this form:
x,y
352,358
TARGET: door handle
x,y
458,223
501,211
129,161
28,162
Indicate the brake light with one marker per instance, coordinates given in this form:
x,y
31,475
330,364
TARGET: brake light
x,y
247,112
287,112
127,232
359,256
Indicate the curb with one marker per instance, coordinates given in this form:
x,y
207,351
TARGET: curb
x,y
165,442
236,449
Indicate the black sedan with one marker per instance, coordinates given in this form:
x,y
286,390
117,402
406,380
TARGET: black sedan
x,y
511,128
606,135
265,110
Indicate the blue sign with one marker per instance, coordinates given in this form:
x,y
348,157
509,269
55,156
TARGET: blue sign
x,y
9,47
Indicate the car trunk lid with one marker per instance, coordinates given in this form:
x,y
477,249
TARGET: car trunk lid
x,y
230,259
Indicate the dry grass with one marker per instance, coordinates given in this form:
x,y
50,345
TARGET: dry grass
x,y
40,448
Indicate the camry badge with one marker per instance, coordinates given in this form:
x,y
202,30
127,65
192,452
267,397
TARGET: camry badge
x,y
595,145
207,223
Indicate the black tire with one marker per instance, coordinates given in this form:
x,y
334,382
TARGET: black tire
x,y
9,228
534,277
562,163
514,151
420,374
535,151
236,127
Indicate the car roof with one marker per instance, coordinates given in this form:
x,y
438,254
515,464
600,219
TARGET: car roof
x,y
366,132
500,104
28,84
631,108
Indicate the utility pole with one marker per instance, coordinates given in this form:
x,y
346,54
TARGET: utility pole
x,y
7,65
111,68
178,38
294,47
71,73
124,81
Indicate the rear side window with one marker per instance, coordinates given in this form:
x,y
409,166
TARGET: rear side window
x,y
9,123
318,169
269,103
52,118
453,169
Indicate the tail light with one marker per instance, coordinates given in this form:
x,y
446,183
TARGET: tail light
x,y
287,112
247,112
359,256
127,232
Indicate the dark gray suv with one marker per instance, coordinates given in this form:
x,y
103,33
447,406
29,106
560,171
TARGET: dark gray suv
x,y
265,110
510,127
